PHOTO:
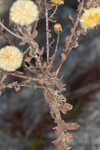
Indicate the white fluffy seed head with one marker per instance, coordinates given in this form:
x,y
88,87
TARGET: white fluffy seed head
x,y
24,12
90,18
10,58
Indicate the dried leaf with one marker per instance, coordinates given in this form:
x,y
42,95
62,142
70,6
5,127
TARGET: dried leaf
x,y
29,28
67,40
17,88
27,59
70,126
35,34
35,44
68,137
22,43
4,76
66,107
63,56
60,85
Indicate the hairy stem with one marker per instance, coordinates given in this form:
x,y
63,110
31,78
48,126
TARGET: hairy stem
x,y
47,30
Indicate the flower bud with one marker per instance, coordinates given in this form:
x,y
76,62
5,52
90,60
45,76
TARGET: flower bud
x,y
57,28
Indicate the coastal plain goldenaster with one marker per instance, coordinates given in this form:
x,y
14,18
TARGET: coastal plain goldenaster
x,y
24,12
10,58
90,18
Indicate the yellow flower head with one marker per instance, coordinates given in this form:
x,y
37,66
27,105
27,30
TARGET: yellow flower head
x,y
24,12
90,18
10,58
57,2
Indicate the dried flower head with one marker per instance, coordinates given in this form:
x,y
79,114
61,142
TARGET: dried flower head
x,y
24,12
90,18
10,58
57,28
57,2
69,137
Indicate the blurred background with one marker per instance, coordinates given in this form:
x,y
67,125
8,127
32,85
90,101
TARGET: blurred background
x,y
25,122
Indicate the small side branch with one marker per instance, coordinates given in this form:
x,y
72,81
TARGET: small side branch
x,y
72,39
24,77
12,33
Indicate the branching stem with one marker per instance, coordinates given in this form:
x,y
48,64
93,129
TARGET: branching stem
x,y
12,33
47,30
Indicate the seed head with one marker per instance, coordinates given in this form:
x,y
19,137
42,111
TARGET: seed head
x,y
10,58
24,12
90,18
